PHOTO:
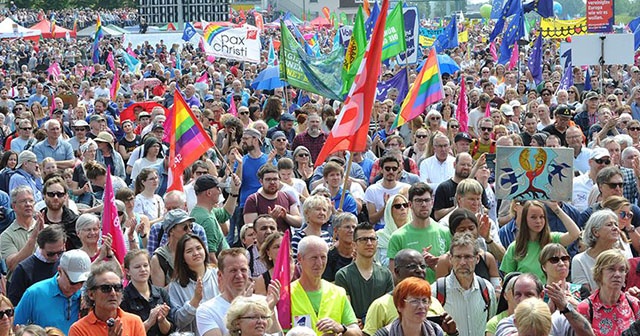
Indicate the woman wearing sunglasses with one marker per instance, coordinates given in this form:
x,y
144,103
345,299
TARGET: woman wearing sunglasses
x,y
103,296
555,262
6,316
630,238
396,215
601,233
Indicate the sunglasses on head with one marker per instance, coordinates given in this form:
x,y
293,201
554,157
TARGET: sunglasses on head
x,y
107,288
401,206
555,260
601,161
58,194
625,214
8,312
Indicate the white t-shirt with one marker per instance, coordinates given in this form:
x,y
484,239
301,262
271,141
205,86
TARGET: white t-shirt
x,y
211,315
434,172
582,186
375,194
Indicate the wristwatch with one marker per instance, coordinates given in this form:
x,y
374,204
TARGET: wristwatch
x,y
344,329
568,308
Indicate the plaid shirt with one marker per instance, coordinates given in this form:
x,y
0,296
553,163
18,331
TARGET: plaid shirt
x,y
152,242
314,145
630,189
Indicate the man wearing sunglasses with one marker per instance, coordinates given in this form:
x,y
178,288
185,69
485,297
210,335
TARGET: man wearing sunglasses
x,y
55,302
377,194
582,185
24,139
57,213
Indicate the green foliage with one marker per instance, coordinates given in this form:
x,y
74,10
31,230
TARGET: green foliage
x,y
62,4
575,8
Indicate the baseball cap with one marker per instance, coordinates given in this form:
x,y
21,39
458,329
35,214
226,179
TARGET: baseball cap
x,y
287,117
254,133
80,123
143,114
25,156
96,117
204,183
175,217
563,110
462,136
208,97
277,135
76,264
514,103
157,126
591,95
599,153
506,109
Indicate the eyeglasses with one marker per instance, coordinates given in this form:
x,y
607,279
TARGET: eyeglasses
x,y
614,185
601,161
80,130
413,267
367,239
434,118
107,288
421,136
571,91
53,254
271,179
619,93
422,200
401,206
26,201
200,172
58,194
255,318
555,260
281,140
625,214
487,129
72,283
418,302
387,168
8,312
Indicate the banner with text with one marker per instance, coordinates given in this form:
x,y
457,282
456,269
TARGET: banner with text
x,y
241,44
561,29
410,56
600,16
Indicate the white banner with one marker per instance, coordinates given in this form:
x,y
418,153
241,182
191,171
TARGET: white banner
x,y
241,44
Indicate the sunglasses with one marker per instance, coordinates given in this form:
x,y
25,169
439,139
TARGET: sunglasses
x,y
401,206
26,128
454,126
555,260
571,91
244,113
486,129
391,169
8,312
303,155
434,119
601,161
53,254
57,194
107,288
421,136
120,213
634,128
614,185
612,100
625,214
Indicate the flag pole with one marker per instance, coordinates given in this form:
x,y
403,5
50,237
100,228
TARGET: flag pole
x,y
346,180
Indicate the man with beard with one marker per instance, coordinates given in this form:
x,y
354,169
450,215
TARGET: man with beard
x,y
234,278
559,127
422,234
313,138
208,215
270,200
280,144
285,126
484,143
445,193
364,280
464,291
530,128
247,168
377,194
57,213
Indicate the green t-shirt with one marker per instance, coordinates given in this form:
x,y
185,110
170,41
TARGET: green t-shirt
x,y
210,223
530,263
362,292
492,325
435,235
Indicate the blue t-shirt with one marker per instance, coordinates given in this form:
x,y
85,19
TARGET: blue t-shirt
x,y
250,181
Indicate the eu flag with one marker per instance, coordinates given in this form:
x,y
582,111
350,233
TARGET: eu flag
x,y
514,32
448,38
189,32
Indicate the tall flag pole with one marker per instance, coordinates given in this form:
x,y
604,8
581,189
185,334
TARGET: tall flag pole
x,y
111,221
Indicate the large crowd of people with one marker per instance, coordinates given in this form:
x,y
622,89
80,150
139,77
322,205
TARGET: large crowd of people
x,y
411,240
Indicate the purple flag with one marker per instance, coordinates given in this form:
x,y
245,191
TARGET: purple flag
x,y
399,81
567,77
535,60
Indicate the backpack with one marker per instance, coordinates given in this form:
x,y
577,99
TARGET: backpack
x,y
5,178
441,292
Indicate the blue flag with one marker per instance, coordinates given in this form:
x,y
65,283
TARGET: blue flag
x,y
399,81
514,32
543,7
371,20
496,9
567,77
634,26
189,32
587,81
448,38
178,61
511,7
535,60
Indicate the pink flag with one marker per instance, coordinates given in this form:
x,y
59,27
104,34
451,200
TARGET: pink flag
x,y
515,54
487,110
204,78
111,221
110,61
492,51
53,105
115,85
233,109
201,44
282,273
54,70
462,112
130,52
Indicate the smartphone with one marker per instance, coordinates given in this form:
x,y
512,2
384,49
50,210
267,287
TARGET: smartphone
x,y
436,319
491,162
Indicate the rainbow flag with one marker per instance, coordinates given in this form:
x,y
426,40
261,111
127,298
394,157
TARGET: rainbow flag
x,y
52,26
187,140
95,50
211,31
115,85
426,90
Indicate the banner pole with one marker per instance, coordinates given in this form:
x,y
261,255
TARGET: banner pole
x,y
346,180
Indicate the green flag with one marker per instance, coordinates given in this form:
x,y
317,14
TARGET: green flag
x,y
354,54
319,75
394,35
343,18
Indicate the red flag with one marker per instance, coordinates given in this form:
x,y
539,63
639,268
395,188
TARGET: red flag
x,y
115,85
493,51
282,273
462,110
259,20
111,221
515,53
53,105
352,125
